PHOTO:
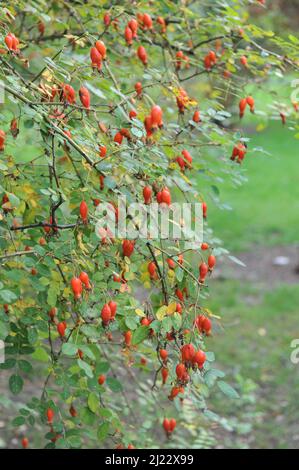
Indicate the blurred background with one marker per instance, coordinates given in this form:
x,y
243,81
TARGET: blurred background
x,y
259,303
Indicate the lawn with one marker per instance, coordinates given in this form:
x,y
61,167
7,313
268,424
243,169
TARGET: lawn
x,y
254,349
265,210
259,321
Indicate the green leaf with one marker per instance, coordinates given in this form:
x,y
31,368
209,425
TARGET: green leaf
x,y
102,368
212,375
8,296
15,384
114,384
88,352
131,323
210,356
85,367
25,366
8,364
87,416
236,260
18,421
177,321
32,335
69,349
93,402
3,330
167,324
24,412
179,274
75,442
103,431
227,389
40,355
53,293
140,334
105,412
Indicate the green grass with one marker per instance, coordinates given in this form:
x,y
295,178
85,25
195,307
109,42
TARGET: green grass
x,y
265,209
255,343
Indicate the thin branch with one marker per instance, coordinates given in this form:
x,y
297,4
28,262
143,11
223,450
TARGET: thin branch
x,y
17,253
164,290
43,225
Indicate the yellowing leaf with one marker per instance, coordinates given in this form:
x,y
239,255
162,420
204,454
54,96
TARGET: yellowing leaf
x,y
186,179
171,273
161,312
171,308
139,312
210,313
81,244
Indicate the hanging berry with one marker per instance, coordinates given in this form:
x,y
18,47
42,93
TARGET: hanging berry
x,y
85,280
14,130
152,270
69,94
187,352
113,308
101,379
77,287
106,19
61,329
128,36
133,25
163,354
103,151
25,442
84,212
128,338
243,60
128,247
96,58
101,48
50,415
84,97
203,324
73,411
203,271
147,21
204,210
165,197
196,116
132,114
187,157
118,138
162,23
250,102
242,107
138,88
106,314
199,359
2,139
164,373
142,55
156,116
